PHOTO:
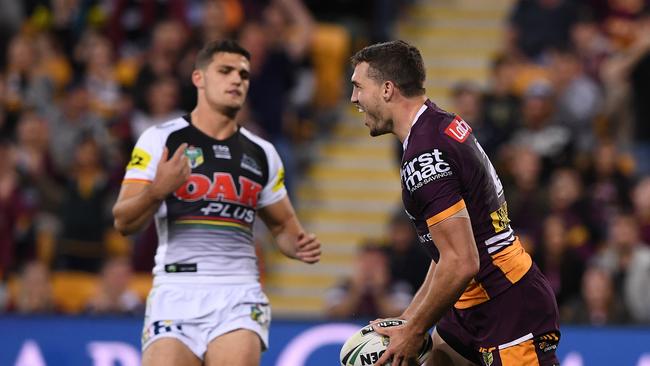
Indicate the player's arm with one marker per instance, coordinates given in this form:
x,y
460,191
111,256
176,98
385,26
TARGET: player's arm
x,y
289,235
457,265
138,202
420,294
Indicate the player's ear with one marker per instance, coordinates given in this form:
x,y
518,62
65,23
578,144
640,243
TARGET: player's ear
x,y
387,90
197,78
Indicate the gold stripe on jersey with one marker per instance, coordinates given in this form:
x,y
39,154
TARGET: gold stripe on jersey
x,y
446,213
137,181
474,294
513,261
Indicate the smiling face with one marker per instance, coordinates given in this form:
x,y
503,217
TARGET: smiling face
x,y
224,82
367,96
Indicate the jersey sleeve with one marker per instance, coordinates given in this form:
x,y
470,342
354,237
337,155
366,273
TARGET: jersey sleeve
x,y
274,190
145,157
433,179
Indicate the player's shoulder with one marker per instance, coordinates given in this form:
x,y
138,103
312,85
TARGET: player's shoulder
x,y
161,131
438,127
257,140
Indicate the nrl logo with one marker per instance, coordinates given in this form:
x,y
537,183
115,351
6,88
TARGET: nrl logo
x,y
195,156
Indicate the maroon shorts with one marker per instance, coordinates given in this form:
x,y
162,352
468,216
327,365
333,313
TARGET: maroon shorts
x,y
518,327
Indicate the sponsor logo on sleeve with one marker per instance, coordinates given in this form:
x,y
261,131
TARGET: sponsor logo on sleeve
x,y
458,130
195,156
279,181
140,159
424,169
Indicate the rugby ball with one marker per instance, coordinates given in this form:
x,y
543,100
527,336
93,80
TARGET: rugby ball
x,y
366,346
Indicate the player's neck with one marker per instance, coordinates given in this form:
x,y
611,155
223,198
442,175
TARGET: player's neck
x,y
214,124
405,112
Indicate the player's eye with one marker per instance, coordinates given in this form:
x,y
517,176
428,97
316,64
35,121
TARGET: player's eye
x,y
245,75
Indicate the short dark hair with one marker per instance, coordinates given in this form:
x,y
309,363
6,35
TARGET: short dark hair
x,y
395,61
204,57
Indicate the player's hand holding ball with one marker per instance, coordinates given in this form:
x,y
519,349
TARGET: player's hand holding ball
x,y
386,342
171,173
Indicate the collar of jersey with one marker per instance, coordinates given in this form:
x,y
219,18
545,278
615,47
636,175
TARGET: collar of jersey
x,y
188,119
417,116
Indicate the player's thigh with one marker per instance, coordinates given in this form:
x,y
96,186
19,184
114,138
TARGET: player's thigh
x,y
168,351
241,347
443,355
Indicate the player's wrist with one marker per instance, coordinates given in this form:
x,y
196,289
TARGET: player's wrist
x,y
155,193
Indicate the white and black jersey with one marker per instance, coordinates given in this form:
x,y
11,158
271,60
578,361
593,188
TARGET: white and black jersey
x,y
205,226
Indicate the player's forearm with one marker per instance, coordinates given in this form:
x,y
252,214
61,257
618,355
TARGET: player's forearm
x,y
286,236
133,213
450,279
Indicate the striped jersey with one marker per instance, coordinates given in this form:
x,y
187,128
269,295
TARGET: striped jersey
x,y
205,226
443,170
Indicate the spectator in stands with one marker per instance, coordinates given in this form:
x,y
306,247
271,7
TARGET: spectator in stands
x,y
81,244
641,203
34,161
536,25
162,103
113,295
590,44
163,59
466,100
566,200
598,304
72,119
540,130
34,292
408,262
100,77
501,107
369,292
17,212
579,98
278,45
609,184
558,261
639,57
219,19
628,261
130,22
20,64
527,201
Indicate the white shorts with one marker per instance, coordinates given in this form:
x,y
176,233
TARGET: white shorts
x,y
196,314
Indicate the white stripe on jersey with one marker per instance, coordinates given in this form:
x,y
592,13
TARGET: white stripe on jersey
x,y
501,240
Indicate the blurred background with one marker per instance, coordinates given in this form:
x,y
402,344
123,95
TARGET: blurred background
x,y
557,92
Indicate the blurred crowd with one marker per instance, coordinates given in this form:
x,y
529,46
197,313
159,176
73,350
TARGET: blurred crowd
x,y
565,118
80,80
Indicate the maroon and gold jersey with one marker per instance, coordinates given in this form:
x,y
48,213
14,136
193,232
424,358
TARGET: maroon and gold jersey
x,y
444,169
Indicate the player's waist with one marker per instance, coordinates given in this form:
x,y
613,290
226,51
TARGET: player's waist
x,y
202,279
499,271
